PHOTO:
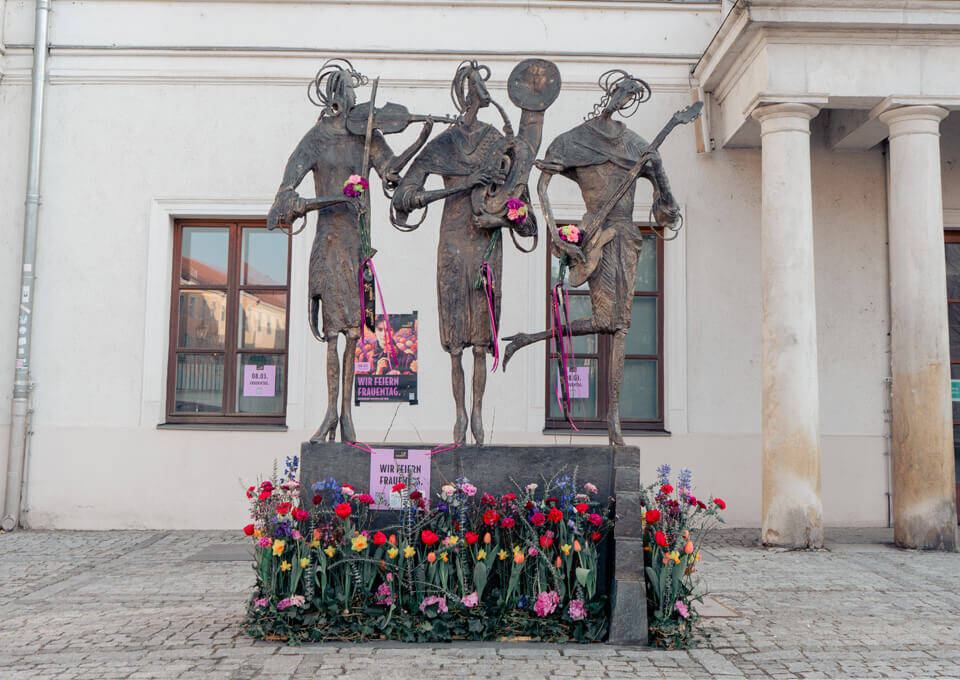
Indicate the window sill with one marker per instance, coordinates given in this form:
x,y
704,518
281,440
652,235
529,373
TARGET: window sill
x,y
224,427
627,434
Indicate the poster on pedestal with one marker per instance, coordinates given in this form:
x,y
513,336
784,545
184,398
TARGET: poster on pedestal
x,y
386,361
389,467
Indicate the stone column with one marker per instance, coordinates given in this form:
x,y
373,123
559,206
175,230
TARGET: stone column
x,y
924,495
792,508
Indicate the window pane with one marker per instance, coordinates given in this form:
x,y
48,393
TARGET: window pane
x,y
202,319
642,338
638,396
955,375
646,281
199,387
555,271
580,308
263,257
260,383
583,393
204,253
954,321
953,270
263,320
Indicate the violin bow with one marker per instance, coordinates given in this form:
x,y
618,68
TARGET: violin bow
x,y
369,135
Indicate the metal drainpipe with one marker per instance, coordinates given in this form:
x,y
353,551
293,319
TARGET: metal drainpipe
x,y
11,492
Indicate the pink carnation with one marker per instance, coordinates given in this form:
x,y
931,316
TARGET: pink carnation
x,y
577,611
470,600
546,603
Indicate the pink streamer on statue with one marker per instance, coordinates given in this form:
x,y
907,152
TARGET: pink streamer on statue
x,y
561,347
391,345
487,274
440,448
359,445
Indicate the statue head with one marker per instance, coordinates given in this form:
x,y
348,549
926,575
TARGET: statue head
x,y
334,87
469,89
622,93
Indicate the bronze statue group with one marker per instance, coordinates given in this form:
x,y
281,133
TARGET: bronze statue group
x,y
485,172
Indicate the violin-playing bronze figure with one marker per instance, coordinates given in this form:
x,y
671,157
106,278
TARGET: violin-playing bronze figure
x,y
334,149
485,174
605,159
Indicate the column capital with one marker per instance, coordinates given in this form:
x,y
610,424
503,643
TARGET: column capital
x,y
912,120
788,116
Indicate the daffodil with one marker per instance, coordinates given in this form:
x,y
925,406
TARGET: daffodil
x,y
443,556
481,554
278,547
314,544
285,566
516,549
392,552
698,557
450,540
304,562
502,554
566,548
409,551
358,543
329,550
675,556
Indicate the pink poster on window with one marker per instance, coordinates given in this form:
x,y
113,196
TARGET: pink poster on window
x,y
391,466
259,381
579,382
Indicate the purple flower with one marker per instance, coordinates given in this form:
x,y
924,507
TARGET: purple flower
x,y
470,600
577,611
383,595
283,604
682,608
514,204
663,474
442,507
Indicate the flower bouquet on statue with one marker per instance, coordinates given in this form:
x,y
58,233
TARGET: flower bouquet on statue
x,y
468,565
355,186
674,526
517,211
570,233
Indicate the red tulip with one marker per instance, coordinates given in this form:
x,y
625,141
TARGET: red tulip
x,y
248,530
379,538
342,510
471,537
428,537
661,539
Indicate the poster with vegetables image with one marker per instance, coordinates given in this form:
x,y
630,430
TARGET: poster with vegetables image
x,y
386,360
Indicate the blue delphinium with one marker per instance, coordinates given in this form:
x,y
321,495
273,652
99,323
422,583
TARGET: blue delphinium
x,y
290,470
684,482
442,507
663,474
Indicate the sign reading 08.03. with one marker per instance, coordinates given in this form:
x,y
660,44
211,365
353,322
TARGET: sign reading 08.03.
x,y
386,360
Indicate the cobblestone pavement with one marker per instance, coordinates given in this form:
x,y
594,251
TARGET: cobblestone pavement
x,y
105,605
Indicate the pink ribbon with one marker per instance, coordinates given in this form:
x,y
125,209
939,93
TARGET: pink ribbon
x,y
486,272
448,447
560,290
359,445
391,345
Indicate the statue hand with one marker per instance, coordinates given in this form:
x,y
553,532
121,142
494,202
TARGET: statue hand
x,y
481,176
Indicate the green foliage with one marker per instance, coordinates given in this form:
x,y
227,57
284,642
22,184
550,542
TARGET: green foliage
x,y
468,566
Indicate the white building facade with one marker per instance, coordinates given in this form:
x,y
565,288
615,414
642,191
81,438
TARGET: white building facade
x,y
793,343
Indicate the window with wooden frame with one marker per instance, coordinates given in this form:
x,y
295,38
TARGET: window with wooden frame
x,y
641,397
952,247
229,316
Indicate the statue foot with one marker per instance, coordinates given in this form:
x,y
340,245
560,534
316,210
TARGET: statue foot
x,y
476,426
614,433
328,429
460,429
516,342
347,433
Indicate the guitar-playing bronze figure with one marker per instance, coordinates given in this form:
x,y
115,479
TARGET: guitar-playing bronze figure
x,y
605,159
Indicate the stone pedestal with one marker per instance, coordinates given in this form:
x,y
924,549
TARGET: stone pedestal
x,y
924,502
615,471
792,508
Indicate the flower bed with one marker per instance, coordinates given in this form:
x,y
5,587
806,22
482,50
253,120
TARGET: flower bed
x,y
675,525
464,565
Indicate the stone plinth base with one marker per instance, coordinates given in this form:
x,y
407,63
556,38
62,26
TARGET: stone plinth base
x,y
498,469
